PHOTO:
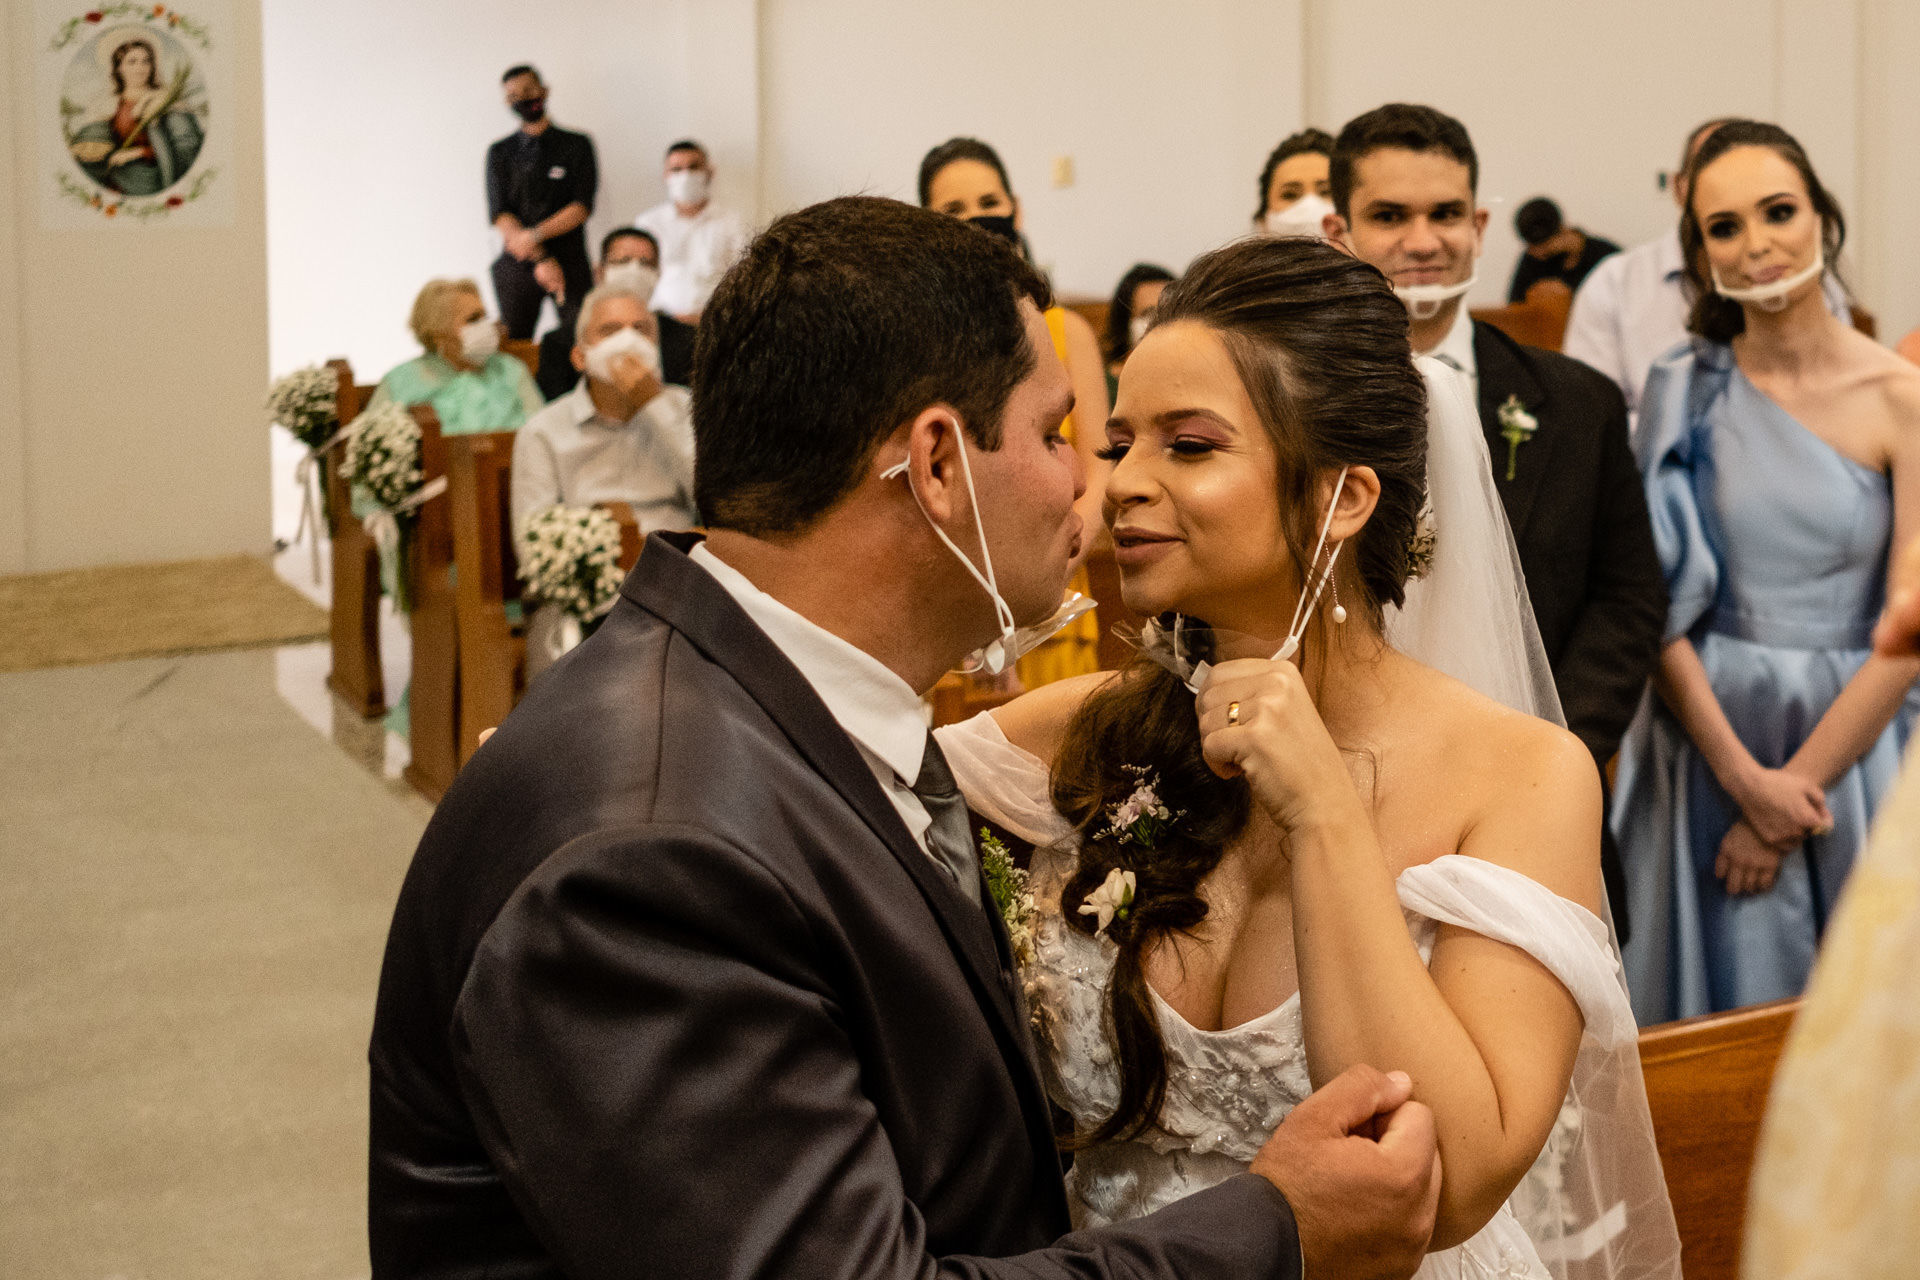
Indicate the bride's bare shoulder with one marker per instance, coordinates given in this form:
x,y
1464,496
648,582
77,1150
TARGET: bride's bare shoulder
x,y
1035,722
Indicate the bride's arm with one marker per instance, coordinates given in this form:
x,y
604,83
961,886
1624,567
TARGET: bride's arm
x,y
1488,1035
1035,722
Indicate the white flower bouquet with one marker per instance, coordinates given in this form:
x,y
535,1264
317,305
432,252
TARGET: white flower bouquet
x,y
304,403
383,456
570,556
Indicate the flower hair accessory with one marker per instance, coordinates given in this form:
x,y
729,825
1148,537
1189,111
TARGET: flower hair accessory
x,y
1141,819
1113,900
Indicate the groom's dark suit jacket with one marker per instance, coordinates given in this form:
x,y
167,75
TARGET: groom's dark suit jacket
x,y
671,991
1579,514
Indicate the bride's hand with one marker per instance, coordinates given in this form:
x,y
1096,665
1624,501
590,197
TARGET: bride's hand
x,y
1258,722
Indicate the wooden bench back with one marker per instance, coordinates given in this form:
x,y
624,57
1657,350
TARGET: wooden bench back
x,y
526,351
432,701
354,616
486,576
1540,321
1707,1081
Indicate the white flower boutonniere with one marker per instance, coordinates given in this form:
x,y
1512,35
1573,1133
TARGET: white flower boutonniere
x,y
1112,900
1516,427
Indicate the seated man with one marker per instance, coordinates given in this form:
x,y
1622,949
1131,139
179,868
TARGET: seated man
x,y
631,257
1555,251
621,435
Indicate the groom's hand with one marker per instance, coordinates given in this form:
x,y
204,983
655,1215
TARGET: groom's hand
x,y
1358,1165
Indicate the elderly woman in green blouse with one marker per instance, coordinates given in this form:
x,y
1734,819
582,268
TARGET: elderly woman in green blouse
x,y
471,386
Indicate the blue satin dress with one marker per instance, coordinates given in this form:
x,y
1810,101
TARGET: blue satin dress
x,y
1775,551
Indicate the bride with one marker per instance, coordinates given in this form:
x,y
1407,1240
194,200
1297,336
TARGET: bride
x,y
1346,855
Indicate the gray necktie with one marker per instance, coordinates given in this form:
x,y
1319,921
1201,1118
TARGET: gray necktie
x,y
949,838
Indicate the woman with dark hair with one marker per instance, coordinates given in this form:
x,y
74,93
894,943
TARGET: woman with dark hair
x,y
1295,194
964,178
1262,854
144,137
1782,456
1129,314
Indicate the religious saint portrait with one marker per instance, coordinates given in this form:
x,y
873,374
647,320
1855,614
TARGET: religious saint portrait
x,y
134,110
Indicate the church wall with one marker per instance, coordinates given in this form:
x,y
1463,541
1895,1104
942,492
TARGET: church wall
x,y
133,356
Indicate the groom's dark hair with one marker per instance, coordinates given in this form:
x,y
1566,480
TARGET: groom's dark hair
x,y
841,322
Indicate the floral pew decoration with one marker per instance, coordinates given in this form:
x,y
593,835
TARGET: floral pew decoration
x,y
570,558
383,460
306,403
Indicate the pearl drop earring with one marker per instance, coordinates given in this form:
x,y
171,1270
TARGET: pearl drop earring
x,y
1339,610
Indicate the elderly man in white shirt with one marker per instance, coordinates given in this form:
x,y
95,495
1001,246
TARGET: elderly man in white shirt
x,y
1633,309
622,435
698,239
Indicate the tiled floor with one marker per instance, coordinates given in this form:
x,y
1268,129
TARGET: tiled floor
x,y
200,858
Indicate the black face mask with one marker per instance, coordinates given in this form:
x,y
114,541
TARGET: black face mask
x,y
998,226
529,109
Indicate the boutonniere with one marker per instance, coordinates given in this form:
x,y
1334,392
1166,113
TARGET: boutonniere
x,y
1009,886
1517,427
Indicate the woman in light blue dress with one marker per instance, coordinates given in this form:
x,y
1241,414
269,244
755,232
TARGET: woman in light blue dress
x,y
1779,449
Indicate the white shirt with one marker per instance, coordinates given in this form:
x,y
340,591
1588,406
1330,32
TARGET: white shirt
x,y
880,712
1456,348
694,253
1632,310
569,453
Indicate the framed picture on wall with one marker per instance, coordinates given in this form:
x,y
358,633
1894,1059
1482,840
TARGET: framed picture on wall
x,y
134,120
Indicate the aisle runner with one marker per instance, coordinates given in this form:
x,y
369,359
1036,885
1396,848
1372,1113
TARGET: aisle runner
x,y
136,611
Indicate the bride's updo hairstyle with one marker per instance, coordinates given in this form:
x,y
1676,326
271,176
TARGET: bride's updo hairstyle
x,y
1320,343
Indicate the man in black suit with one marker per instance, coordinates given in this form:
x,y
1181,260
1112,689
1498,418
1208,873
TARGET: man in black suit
x,y
691,973
1404,180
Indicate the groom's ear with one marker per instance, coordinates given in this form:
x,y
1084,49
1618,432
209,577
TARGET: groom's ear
x,y
933,440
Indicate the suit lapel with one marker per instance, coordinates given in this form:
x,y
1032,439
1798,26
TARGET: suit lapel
x,y
1504,371
668,585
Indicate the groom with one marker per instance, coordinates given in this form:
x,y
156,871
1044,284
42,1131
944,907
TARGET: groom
x,y
691,973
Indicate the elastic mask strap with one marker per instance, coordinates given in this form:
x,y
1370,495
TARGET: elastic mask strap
x,y
1763,295
1303,610
1003,614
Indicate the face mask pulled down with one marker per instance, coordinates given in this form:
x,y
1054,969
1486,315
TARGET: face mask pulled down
x,y
1177,648
1774,295
1423,301
1015,641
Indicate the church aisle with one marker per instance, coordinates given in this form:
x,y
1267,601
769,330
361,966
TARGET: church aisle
x,y
198,890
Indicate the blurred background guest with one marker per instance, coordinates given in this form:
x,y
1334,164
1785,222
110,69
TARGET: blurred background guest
x,y
462,373
1779,452
629,257
1129,314
1554,250
541,181
964,178
1633,307
697,238
1293,186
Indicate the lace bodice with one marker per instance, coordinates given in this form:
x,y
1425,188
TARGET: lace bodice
x,y
1229,1089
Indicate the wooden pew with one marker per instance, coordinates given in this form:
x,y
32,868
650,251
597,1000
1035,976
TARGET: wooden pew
x,y
1707,1081
432,705
961,697
525,350
354,629
1540,321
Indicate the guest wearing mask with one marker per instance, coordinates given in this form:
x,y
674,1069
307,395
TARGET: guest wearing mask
x,y
1129,314
698,239
964,178
1555,251
1780,455
541,181
621,435
1404,182
1633,307
1293,186
629,257
461,373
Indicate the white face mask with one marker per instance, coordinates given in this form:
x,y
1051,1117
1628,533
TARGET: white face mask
x,y
1423,301
479,341
635,275
1304,217
1137,329
621,342
687,186
1015,641
1773,295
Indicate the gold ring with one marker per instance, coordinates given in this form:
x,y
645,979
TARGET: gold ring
x,y
1233,713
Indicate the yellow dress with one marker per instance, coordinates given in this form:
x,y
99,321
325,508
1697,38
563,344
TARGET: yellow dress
x,y
1076,650
1836,1182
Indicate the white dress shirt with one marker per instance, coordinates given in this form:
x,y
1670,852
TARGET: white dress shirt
x,y
569,452
694,253
1632,310
1456,349
885,718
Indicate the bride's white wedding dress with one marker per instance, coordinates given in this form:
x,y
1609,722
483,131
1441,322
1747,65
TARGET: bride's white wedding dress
x,y
1228,1090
